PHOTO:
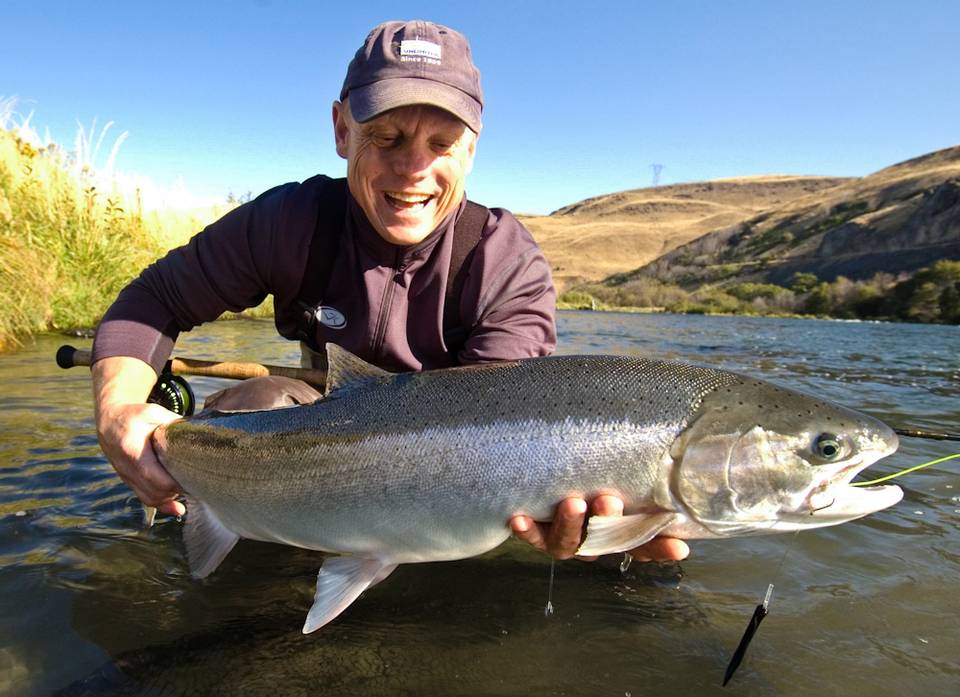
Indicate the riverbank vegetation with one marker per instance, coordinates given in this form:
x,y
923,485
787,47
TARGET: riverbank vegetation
x,y
932,294
70,238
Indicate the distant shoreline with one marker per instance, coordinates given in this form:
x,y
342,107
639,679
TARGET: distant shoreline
x,y
567,307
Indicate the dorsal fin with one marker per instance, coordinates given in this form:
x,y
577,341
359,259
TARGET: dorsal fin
x,y
346,370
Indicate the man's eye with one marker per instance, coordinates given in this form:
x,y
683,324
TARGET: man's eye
x,y
384,141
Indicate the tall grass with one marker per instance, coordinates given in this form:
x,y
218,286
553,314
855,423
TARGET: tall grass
x,y
70,238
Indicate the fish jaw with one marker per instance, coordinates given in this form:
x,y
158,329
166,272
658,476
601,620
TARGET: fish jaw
x,y
849,503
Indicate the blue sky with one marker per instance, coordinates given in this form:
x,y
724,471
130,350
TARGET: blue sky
x,y
581,98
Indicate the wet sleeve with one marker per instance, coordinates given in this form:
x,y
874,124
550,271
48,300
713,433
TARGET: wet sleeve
x,y
509,296
227,266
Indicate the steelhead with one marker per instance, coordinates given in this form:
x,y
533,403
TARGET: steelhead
x,y
391,469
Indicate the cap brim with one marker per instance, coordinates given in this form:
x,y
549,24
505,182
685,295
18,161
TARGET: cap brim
x,y
376,98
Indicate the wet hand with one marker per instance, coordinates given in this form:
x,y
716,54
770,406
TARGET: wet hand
x,y
561,537
125,425
125,433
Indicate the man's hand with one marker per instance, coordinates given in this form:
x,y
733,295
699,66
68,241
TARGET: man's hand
x,y
125,425
561,537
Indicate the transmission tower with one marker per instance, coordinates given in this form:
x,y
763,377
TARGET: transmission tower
x,y
656,173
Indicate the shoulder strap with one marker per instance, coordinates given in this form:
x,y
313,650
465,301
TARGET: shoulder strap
x,y
466,236
323,251
321,256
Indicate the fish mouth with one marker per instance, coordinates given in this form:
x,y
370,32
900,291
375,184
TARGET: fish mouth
x,y
835,500
852,502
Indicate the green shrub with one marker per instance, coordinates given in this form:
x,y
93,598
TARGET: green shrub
x,y
577,300
751,291
66,246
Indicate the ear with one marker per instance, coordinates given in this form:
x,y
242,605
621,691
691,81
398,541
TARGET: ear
x,y
341,129
471,153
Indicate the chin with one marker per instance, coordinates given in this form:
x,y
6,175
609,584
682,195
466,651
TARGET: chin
x,y
406,236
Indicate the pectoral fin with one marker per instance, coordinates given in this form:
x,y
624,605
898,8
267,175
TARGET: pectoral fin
x,y
340,581
609,534
207,540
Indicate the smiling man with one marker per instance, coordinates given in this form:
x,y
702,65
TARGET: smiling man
x,y
393,264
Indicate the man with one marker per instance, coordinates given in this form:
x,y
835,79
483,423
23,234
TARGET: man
x,y
378,266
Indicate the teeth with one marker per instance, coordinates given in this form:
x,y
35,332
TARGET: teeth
x,y
408,198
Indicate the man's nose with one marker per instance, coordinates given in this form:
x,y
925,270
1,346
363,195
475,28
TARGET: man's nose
x,y
412,158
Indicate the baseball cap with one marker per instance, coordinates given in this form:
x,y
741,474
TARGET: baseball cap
x,y
415,62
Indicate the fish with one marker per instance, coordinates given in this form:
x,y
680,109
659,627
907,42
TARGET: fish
x,y
388,469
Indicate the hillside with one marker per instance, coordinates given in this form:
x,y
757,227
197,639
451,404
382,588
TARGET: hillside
x,y
896,220
601,236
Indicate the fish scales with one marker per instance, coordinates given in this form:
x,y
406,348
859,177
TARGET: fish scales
x,y
431,466
453,441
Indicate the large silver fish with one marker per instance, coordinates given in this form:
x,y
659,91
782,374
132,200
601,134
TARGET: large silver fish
x,y
391,469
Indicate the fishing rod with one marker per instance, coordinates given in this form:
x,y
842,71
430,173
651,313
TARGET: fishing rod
x,y
933,435
174,393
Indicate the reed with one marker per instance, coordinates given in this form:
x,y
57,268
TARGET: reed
x,y
70,236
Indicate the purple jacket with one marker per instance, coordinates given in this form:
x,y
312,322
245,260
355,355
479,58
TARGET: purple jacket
x,y
383,302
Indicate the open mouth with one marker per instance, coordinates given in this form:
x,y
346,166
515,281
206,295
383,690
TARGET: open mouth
x,y
853,502
835,498
406,201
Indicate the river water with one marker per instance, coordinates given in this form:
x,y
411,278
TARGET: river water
x,y
91,604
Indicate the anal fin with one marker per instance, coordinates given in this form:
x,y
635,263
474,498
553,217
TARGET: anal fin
x,y
340,581
208,541
610,534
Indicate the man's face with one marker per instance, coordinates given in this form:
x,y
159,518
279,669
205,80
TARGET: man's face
x,y
406,168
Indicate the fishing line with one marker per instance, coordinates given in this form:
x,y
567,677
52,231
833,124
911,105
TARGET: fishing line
x,y
906,471
759,613
548,610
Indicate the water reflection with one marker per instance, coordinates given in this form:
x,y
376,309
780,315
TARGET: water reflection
x,y
93,605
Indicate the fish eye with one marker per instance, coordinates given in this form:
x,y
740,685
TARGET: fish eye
x,y
827,447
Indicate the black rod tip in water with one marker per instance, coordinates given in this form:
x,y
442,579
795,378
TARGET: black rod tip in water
x,y
738,655
65,356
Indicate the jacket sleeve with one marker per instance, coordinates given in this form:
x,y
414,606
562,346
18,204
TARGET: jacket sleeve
x,y
227,266
509,296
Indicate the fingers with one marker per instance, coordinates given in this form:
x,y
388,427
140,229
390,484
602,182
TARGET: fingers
x,y
529,531
566,530
661,549
126,439
153,484
172,507
561,537
606,505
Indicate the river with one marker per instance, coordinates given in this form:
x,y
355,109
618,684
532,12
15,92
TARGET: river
x,y
91,604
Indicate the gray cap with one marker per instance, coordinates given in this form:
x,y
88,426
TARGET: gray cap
x,y
416,62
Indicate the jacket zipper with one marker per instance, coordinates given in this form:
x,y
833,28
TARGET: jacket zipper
x,y
385,304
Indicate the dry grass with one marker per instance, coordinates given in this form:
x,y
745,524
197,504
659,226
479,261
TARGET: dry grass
x,y
70,238
598,237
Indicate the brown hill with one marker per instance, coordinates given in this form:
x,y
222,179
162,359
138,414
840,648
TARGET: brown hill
x,y
896,220
609,234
